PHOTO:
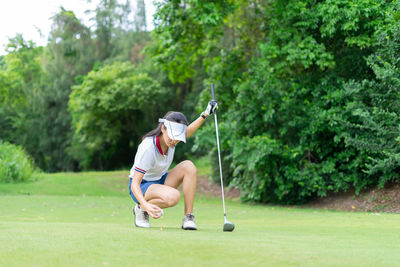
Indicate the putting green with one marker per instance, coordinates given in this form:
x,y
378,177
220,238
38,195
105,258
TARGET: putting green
x,y
94,228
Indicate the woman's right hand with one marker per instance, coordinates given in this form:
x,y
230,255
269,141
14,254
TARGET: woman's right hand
x,y
153,210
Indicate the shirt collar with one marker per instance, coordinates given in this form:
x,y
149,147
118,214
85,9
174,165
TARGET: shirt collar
x,y
156,141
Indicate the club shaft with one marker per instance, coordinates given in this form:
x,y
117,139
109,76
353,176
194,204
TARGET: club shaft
x,y
219,161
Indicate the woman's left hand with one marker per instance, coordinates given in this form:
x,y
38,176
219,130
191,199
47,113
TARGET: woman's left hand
x,y
211,107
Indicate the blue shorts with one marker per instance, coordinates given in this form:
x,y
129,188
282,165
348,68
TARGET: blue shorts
x,y
144,185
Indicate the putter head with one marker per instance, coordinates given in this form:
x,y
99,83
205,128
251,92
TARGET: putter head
x,y
228,226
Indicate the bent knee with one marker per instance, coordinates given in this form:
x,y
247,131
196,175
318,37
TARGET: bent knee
x,y
172,198
189,166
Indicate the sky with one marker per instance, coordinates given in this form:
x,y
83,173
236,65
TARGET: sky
x,y
29,16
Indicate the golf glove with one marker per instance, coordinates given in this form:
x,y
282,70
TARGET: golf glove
x,y
212,106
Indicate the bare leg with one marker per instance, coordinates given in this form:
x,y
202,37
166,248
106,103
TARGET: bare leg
x,y
184,173
162,195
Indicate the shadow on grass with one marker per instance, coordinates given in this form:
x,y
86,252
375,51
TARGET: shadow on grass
x,y
176,229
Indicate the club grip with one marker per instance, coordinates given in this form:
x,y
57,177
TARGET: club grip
x,y
212,91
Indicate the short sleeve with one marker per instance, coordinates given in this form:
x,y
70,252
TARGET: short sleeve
x,y
144,159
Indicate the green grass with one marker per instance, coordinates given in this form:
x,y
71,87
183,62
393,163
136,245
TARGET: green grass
x,y
73,184
85,219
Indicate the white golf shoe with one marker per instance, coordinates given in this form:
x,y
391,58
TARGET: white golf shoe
x,y
141,217
188,222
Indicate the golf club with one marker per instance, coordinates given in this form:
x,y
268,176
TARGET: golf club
x,y
228,226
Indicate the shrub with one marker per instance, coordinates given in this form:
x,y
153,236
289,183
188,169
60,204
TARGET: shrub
x,y
15,164
317,109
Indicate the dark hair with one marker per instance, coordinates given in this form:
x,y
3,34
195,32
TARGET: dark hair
x,y
171,116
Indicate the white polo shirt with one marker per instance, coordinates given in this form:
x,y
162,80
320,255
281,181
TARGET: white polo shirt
x,y
150,159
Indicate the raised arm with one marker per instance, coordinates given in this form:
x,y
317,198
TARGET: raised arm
x,y
192,128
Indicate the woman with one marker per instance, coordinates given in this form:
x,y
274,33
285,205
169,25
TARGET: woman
x,y
151,186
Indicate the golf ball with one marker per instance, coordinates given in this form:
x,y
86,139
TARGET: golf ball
x,y
159,213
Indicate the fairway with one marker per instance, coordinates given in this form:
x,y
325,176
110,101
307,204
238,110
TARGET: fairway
x,y
91,224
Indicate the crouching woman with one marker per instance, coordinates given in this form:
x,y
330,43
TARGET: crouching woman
x,y
154,188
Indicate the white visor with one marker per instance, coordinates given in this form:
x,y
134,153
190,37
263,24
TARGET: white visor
x,y
176,131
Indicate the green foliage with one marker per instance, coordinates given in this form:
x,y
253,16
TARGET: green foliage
x,y
69,54
307,90
140,16
35,82
20,73
110,112
21,87
314,110
372,114
108,14
185,32
15,164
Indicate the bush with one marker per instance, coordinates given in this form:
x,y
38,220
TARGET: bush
x,y
317,109
15,164
371,117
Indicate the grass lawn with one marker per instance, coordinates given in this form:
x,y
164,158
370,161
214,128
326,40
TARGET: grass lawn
x,y
85,219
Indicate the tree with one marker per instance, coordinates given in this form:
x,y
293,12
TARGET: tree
x,y
21,92
111,111
371,116
185,32
140,17
288,146
110,18
70,54
282,69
